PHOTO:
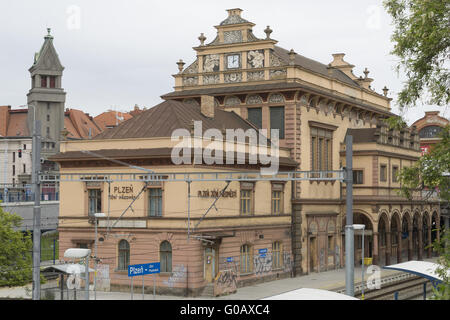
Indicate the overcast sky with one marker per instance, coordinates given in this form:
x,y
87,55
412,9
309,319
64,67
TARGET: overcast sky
x,y
120,53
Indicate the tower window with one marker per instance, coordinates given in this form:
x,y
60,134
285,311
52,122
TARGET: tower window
x,y
44,81
52,82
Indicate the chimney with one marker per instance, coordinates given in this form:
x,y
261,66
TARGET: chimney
x,y
207,106
4,119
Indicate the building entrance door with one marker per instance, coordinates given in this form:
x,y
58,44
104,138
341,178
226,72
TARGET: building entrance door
x,y
209,264
313,254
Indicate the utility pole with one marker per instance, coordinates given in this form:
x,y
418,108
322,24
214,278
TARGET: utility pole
x,y
349,232
36,158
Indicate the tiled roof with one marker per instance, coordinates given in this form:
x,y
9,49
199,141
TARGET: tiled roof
x,y
78,123
314,66
111,118
164,118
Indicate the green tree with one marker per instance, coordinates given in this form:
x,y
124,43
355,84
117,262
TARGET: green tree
x,y
442,247
430,174
15,251
421,41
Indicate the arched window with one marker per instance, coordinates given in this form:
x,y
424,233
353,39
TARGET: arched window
x,y
246,258
124,255
165,255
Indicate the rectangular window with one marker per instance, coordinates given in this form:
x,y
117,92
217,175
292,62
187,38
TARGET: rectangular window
x,y
383,172
14,157
321,150
395,174
358,176
155,202
277,255
277,198
52,82
24,169
277,120
13,170
48,117
95,201
44,81
246,258
255,116
246,198
48,132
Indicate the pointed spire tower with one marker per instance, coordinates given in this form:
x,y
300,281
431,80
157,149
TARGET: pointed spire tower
x,y
46,96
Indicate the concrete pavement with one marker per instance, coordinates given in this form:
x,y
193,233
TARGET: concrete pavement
x,y
333,280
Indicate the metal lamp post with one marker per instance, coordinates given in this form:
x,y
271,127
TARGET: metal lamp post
x,y
96,216
361,227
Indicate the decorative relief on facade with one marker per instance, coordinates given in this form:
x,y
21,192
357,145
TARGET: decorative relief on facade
x,y
304,99
190,81
211,79
276,98
211,63
232,101
254,99
193,68
232,36
275,61
255,59
275,74
232,77
255,76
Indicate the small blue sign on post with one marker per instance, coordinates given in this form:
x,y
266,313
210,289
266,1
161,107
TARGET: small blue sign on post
x,y
229,259
262,252
143,269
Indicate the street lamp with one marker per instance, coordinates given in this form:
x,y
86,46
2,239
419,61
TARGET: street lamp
x,y
96,216
361,227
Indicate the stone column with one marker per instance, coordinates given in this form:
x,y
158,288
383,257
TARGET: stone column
x,y
399,246
420,245
375,252
388,248
410,243
429,241
297,239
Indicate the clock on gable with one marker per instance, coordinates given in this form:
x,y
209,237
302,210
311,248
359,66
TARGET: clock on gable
x,y
233,61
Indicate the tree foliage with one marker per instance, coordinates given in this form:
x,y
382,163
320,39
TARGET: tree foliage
x,y
431,172
422,42
442,247
15,251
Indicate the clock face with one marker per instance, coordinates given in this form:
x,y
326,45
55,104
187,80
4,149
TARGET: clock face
x,y
233,61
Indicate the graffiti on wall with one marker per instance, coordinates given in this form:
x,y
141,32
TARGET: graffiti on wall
x,y
225,282
179,273
263,264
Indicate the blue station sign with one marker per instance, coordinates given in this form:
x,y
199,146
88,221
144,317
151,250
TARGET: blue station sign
x,y
143,269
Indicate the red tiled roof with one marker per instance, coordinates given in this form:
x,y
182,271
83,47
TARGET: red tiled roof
x,y
78,123
111,118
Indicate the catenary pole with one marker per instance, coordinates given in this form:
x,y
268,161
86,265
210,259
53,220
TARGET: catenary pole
x,y
349,232
36,158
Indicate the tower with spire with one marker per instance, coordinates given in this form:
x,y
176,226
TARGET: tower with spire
x,y
46,98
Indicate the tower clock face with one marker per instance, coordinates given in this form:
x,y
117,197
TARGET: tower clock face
x,y
233,61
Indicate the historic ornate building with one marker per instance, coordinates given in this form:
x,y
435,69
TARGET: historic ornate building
x,y
313,105
267,230
429,127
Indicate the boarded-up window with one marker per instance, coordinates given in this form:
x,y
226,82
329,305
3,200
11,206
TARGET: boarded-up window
x,y
255,116
277,120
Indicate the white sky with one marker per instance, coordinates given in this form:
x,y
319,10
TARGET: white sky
x,y
120,53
